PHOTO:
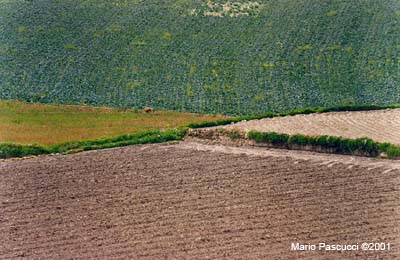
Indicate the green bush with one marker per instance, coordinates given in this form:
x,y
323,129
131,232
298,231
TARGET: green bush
x,y
300,140
9,150
392,151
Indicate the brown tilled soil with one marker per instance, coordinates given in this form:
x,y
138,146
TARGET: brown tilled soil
x,y
379,125
196,201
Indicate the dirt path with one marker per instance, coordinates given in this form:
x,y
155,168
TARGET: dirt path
x,y
379,125
196,201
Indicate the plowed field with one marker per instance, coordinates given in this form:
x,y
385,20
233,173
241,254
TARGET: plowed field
x,y
196,201
379,125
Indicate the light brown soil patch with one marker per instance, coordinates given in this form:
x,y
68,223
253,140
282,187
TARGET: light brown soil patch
x,y
379,125
196,201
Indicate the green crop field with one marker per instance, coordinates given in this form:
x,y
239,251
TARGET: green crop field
x,y
240,57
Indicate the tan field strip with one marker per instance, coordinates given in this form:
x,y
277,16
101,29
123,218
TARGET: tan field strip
x,y
379,125
196,201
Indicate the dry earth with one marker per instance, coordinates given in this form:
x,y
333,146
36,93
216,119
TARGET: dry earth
x,y
196,201
379,125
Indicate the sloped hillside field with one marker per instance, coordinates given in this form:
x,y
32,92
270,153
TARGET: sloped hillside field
x,y
241,57
193,201
379,125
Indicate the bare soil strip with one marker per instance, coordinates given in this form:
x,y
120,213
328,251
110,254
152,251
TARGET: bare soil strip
x,y
379,125
315,157
196,201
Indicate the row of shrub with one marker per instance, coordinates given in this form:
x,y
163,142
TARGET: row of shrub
x,y
359,146
9,150
307,110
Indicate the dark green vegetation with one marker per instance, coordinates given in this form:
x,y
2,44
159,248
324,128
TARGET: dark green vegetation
x,y
8,150
308,110
358,146
281,55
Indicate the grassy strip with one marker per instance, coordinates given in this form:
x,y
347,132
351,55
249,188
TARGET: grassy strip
x,y
359,146
8,150
308,110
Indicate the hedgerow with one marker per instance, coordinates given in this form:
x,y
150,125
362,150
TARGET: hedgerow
x,y
358,146
145,137
232,57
